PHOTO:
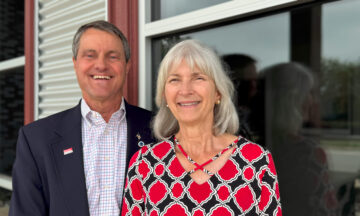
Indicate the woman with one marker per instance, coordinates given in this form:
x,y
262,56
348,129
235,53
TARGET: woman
x,y
200,167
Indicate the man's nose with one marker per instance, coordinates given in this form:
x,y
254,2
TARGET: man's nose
x,y
101,64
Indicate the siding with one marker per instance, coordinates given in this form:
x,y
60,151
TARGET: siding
x,y
57,24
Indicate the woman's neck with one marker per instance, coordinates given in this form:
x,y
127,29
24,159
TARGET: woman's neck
x,y
201,145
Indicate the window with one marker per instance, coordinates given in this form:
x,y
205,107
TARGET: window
x,y
301,99
11,90
161,9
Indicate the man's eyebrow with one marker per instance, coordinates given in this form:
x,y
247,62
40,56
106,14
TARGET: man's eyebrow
x,y
113,51
89,50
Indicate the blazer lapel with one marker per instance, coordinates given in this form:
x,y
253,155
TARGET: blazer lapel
x,y
132,136
138,127
68,156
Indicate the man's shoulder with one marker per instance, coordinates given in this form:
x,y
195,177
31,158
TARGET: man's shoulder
x,y
137,109
54,119
137,112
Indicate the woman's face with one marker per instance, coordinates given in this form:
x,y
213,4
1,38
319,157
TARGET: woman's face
x,y
190,95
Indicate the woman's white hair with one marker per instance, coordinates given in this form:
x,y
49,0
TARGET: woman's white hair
x,y
197,55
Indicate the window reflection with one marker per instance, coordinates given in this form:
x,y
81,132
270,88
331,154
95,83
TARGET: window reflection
x,y
11,84
243,72
301,162
11,115
161,9
302,102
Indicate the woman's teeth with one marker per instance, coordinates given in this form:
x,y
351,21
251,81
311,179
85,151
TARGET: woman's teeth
x,y
189,104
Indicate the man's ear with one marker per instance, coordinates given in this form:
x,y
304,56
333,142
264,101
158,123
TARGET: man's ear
x,y
74,62
128,66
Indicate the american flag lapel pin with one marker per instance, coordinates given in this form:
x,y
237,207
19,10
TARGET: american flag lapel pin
x,y
68,151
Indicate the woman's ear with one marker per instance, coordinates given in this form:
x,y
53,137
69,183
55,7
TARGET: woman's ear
x,y
217,96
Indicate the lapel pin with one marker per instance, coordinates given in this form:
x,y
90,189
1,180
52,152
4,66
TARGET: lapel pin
x,y
138,136
140,143
68,151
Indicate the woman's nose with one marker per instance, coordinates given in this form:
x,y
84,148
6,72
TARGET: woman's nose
x,y
186,88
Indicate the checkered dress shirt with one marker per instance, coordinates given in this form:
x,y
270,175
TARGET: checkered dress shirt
x,y
104,148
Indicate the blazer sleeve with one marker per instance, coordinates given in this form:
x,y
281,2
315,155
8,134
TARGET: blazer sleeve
x,y
27,196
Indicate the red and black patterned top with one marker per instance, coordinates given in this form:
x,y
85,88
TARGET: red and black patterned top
x,y
157,184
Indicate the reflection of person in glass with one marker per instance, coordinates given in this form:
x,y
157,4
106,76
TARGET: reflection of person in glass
x,y
302,164
244,76
200,167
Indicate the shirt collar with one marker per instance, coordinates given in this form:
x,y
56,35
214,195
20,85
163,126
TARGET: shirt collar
x,y
87,113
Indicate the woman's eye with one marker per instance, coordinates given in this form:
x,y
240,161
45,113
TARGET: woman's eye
x,y
173,80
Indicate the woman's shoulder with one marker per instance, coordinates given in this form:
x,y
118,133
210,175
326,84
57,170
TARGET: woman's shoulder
x,y
242,141
250,149
162,144
255,154
158,149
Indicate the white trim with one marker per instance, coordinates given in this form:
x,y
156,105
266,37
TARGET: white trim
x,y
145,67
212,14
12,63
36,60
144,92
5,182
106,10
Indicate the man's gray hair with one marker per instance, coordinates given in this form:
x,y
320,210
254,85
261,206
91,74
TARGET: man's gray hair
x,y
197,55
103,26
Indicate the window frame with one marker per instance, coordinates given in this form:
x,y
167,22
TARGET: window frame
x,y
193,20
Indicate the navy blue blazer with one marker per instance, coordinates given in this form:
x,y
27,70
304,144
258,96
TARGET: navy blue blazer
x,y
47,182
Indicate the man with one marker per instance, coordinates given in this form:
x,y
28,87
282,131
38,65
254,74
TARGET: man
x,y
74,162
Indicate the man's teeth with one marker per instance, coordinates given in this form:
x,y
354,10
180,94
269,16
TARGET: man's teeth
x,y
188,104
101,77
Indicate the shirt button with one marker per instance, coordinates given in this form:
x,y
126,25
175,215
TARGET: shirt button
x,y
106,132
106,158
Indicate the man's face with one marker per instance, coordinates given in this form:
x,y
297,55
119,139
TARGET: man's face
x,y
100,66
